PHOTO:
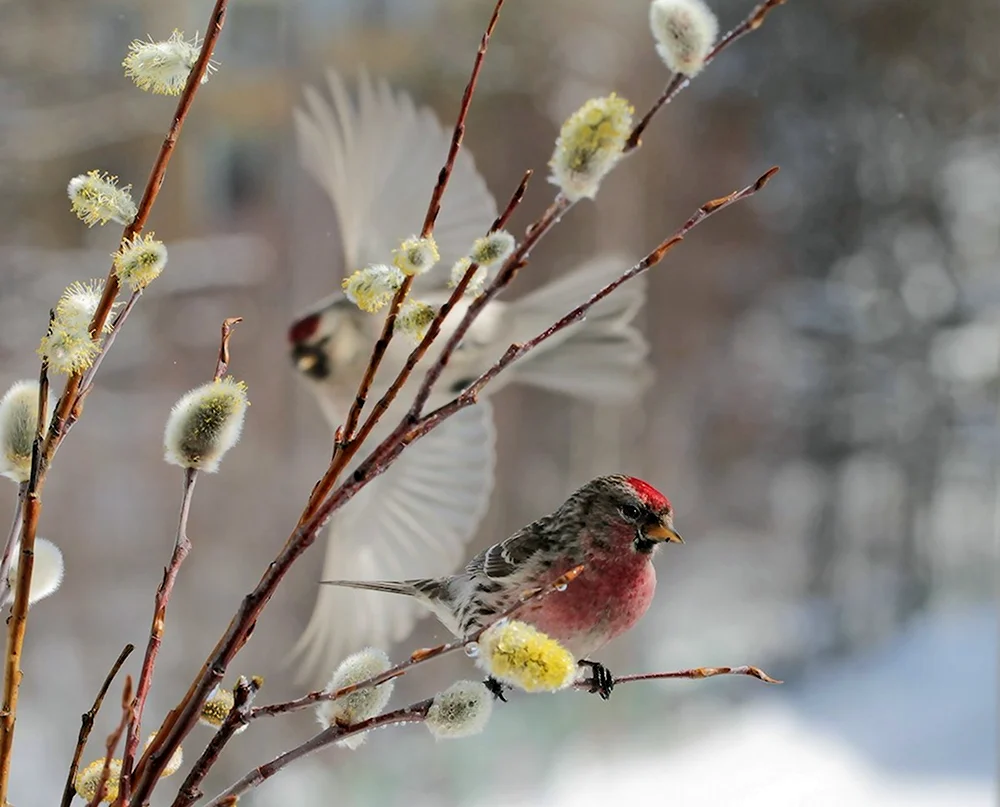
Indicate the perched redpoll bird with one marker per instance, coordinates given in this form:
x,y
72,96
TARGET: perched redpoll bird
x,y
378,160
613,525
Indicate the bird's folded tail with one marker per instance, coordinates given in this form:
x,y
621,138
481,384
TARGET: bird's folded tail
x,y
602,358
428,590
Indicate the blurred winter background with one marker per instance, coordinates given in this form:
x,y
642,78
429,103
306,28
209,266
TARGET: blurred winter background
x,y
824,416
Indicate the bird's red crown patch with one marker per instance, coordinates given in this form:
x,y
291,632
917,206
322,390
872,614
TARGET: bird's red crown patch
x,y
649,494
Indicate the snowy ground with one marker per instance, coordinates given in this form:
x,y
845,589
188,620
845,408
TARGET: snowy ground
x,y
911,725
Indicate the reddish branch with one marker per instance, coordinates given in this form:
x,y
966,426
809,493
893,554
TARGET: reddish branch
x,y
182,546
18,622
346,445
417,354
680,81
113,740
87,725
414,713
237,719
70,406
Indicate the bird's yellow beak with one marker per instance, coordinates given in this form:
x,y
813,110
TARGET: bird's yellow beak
x,y
664,532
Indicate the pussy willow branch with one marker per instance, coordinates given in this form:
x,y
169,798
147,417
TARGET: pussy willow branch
x,y
417,713
693,673
679,81
380,458
18,622
113,739
432,332
88,376
182,546
420,656
222,364
321,505
345,445
243,716
414,713
11,544
237,719
87,725
70,404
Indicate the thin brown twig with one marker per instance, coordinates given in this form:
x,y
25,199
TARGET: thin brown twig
x,y
88,376
70,404
419,656
87,725
414,713
345,445
182,546
679,81
18,623
12,543
516,351
417,712
382,405
434,207
223,361
238,718
113,739
693,673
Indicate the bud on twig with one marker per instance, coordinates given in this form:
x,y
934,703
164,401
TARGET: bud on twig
x,y
589,145
205,424
462,710
362,703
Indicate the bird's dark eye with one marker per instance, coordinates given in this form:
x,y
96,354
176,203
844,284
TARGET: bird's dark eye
x,y
631,512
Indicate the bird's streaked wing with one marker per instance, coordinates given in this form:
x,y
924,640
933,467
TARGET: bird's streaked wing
x,y
378,159
412,521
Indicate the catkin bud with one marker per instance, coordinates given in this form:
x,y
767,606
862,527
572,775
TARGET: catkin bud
x,y
415,318
95,198
685,31
217,707
205,424
18,424
140,261
478,281
88,778
175,761
493,248
589,145
416,255
462,710
67,346
518,654
163,68
46,572
371,288
360,704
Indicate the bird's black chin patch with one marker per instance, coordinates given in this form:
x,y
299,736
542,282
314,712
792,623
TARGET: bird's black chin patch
x,y
311,360
644,546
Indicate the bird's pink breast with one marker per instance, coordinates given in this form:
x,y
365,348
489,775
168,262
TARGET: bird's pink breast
x,y
606,600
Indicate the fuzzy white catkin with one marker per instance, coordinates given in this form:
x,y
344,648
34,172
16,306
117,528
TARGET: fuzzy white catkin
x,y
462,710
46,573
18,424
361,704
685,31
205,424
